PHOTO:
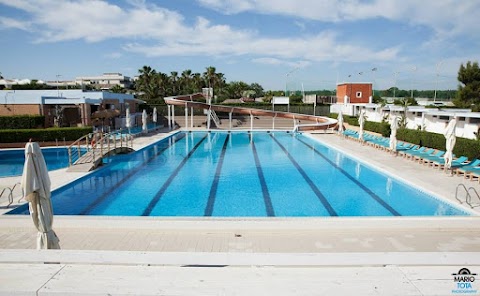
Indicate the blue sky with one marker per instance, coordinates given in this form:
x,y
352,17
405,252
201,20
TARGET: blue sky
x,y
276,43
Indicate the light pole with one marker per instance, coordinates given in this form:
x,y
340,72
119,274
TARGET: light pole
x,y
373,81
58,82
411,82
439,64
286,78
395,85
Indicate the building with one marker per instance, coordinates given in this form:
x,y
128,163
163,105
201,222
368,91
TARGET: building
x,y
354,93
72,107
418,117
105,81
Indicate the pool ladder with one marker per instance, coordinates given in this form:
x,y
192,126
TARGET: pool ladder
x,y
9,191
471,191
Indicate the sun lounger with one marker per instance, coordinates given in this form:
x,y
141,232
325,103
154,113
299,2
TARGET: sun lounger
x,y
469,170
428,159
418,156
412,152
455,163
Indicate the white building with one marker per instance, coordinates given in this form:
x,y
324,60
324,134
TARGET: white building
x,y
105,81
418,117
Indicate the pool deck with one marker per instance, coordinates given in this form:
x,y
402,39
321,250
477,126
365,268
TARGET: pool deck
x,y
223,256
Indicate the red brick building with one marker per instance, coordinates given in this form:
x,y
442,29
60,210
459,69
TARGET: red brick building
x,y
354,93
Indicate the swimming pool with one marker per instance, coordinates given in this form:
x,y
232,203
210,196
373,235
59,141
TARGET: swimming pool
x,y
240,174
12,160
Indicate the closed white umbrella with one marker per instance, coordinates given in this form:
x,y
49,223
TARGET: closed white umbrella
x,y
154,116
361,122
128,124
450,142
36,190
340,122
393,134
144,121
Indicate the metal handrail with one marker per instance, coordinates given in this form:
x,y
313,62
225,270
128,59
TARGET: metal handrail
x,y
478,197
10,193
95,143
467,197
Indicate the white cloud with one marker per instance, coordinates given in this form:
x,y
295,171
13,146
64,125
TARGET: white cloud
x,y
275,61
113,55
9,23
446,17
156,31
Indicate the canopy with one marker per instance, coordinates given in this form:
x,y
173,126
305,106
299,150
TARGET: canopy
x,y
361,122
36,190
393,134
340,122
144,121
450,142
154,116
106,113
127,118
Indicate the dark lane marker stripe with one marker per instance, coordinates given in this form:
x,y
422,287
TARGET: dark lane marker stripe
x,y
213,189
312,185
359,184
112,188
261,177
167,183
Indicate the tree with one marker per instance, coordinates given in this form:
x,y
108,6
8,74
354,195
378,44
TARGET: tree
x,y
118,89
213,79
468,94
174,82
147,83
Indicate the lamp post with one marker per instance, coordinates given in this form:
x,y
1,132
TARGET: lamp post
x,y
411,82
395,85
439,64
286,78
58,82
373,81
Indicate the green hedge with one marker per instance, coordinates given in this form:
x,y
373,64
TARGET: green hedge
x,y
43,135
463,147
22,122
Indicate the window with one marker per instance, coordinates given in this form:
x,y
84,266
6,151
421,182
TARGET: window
x,y
359,94
461,119
443,117
419,114
474,120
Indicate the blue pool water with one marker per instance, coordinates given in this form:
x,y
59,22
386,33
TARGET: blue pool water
x,y
241,174
12,161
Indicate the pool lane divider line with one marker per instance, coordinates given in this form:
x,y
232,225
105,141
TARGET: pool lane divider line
x,y
263,183
309,181
216,179
167,183
102,197
358,183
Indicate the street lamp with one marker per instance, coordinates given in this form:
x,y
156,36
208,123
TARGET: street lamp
x,y
413,71
373,81
439,64
395,85
286,78
58,82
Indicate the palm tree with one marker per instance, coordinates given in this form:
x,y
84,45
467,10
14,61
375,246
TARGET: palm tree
x,y
146,83
213,79
174,82
186,82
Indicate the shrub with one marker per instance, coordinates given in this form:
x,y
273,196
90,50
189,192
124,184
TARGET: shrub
x,y
43,135
22,122
466,147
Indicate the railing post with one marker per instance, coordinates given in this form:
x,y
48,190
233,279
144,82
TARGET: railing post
x,y
69,156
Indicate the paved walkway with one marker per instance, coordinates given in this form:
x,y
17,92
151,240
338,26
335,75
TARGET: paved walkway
x,y
280,256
